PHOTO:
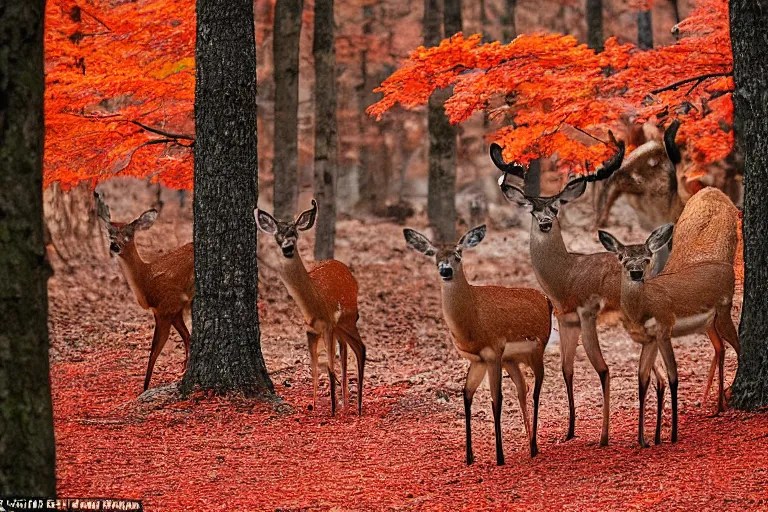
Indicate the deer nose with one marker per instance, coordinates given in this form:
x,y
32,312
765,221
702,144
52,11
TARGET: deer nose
x,y
446,272
636,275
114,247
288,250
545,225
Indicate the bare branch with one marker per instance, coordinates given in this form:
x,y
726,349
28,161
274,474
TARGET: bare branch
x,y
699,79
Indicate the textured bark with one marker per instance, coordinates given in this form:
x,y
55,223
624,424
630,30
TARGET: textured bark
x,y
287,34
325,129
644,30
441,195
27,450
749,41
226,351
508,25
675,11
595,38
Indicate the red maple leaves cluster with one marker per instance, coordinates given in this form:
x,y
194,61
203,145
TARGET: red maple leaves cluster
x,y
553,89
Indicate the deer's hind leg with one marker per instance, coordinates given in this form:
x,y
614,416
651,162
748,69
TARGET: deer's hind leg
x,y
344,382
181,328
162,330
351,336
513,369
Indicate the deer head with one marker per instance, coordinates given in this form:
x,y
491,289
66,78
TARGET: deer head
x,y
447,256
636,259
545,209
286,233
121,234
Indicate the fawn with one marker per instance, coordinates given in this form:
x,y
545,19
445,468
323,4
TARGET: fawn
x,y
327,297
165,286
580,285
694,292
494,328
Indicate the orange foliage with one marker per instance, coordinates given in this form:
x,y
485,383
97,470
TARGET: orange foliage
x,y
549,84
110,65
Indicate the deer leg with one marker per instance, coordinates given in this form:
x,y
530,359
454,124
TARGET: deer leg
x,y
717,361
538,372
181,328
475,376
727,331
330,349
494,380
647,359
513,369
588,317
162,330
660,385
313,339
344,383
352,336
569,340
665,347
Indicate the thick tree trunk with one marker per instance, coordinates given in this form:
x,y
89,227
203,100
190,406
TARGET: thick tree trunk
x,y
325,129
285,40
644,30
595,38
27,450
749,41
441,195
508,25
226,349
675,11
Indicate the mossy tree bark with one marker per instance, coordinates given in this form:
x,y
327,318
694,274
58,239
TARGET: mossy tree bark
x,y
27,449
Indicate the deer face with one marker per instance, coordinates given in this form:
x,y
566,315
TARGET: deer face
x,y
543,209
636,259
121,234
447,256
286,233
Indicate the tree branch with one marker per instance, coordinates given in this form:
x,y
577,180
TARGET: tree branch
x,y
699,79
160,132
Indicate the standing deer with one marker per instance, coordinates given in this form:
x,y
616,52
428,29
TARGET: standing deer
x,y
327,297
694,292
580,285
656,185
165,286
494,328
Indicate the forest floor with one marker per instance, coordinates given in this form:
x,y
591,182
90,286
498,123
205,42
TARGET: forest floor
x,y
406,452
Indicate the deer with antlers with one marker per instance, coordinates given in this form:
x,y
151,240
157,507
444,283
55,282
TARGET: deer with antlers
x,y
581,286
494,328
327,297
166,286
694,292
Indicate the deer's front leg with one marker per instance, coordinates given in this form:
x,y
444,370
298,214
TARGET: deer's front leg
x,y
494,380
569,339
475,376
647,359
313,338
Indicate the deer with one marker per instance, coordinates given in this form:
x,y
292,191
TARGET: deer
x,y
165,286
693,294
581,286
651,176
493,327
326,294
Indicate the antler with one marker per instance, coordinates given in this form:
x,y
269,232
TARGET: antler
x,y
102,210
609,166
669,142
507,168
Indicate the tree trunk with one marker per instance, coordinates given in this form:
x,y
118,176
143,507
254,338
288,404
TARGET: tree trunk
x,y
750,68
595,25
441,195
509,28
325,129
226,348
644,30
27,449
285,40
675,11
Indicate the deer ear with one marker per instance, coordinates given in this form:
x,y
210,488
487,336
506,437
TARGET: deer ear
x,y
660,237
472,237
146,220
419,242
610,242
307,218
265,222
573,190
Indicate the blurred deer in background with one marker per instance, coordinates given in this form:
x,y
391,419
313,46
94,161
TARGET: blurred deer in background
x,y
656,185
327,297
694,292
580,285
494,328
165,286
